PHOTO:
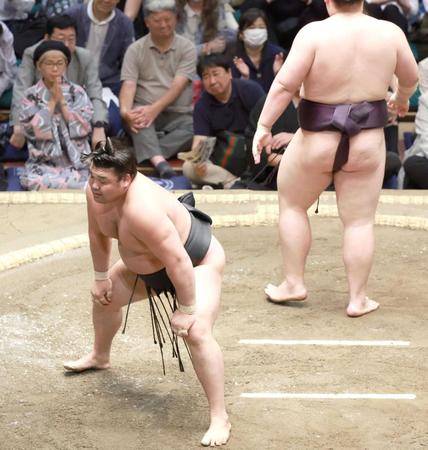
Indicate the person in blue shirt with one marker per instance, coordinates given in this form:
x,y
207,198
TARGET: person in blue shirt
x,y
256,58
222,111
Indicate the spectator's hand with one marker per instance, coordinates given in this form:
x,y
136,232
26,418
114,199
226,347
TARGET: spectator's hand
x,y
262,140
181,323
98,135
18,138
398,105
281,140
148,114
274,159
133,120
217,45
278,62
242,67
101,292
200,169
56,91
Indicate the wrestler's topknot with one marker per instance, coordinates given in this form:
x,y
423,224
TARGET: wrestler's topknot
x,y
118,157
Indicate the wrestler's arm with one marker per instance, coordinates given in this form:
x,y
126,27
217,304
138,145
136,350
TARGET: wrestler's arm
x,y
284,87
290,77
158,233
406,71
100,246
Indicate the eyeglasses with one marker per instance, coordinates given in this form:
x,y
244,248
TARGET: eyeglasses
x,y
65,40
57,64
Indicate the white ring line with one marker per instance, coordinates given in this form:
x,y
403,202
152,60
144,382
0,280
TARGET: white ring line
x,y
326,396
29,254
326,342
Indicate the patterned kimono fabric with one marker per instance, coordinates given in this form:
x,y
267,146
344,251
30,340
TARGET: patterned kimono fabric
x,y
55,146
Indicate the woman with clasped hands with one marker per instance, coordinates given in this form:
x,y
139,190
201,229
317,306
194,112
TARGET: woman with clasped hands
x,y
56,117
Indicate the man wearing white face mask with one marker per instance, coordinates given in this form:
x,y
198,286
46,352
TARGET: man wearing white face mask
x,y
255,58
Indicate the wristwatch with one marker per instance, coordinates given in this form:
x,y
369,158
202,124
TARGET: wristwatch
x,y
100,124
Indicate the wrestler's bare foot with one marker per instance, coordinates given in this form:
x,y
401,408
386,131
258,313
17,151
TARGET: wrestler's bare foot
x,y
285,293
218,433
88,362
359,309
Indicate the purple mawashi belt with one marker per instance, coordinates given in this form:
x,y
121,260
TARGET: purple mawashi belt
x,y
349,119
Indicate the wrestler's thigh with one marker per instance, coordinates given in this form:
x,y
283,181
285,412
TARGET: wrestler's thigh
x,y
123,281
359,183
208,282
301,179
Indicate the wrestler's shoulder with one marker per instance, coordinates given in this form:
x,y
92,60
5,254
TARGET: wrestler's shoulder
x,y
310,28
145,199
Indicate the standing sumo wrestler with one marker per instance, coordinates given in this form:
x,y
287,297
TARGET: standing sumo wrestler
x,y
343,67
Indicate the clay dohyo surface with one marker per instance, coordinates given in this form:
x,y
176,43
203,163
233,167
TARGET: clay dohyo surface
x,y
45,319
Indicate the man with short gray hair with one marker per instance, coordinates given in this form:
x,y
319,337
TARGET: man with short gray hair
x,y
156,92
151,6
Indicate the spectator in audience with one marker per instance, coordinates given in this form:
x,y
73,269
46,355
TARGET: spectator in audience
x,y
82,71
156,93
395,11
15,10
314,11
134,10
23,20
256,58
423,75
52,8
283,16
207,23
131,8
263,175
107,33
56,118
222,111
416,158
7,59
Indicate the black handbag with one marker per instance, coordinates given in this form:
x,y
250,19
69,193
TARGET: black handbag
x,y
230,152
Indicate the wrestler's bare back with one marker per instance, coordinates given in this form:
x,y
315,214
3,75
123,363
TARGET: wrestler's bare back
x,y
361,67
118,221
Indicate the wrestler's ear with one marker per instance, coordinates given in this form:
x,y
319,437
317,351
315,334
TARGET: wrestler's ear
x,y
126,180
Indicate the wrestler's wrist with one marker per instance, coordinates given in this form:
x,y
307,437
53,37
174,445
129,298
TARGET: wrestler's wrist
x,y
403,94
186,309
101,276
263,128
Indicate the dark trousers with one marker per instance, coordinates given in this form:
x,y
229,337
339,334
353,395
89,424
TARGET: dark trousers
x,y
416,172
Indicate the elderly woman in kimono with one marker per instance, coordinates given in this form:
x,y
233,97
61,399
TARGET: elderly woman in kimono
x,y
55,115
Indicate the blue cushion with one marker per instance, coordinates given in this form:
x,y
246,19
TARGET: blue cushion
x,y
11,153
408,137
391,183
175,183
13,179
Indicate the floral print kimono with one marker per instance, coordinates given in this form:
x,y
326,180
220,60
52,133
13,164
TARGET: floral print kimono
x,y
55,146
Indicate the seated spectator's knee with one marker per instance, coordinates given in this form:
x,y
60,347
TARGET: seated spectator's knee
x,y
411,163
189,170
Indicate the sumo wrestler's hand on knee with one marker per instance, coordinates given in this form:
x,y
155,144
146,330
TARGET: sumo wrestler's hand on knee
x,y
262,140
181,323
101,292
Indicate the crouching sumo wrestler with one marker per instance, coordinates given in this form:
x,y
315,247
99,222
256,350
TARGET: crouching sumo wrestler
x,y
166,249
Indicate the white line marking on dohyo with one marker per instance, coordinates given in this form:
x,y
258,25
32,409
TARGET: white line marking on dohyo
x,y
327,396
330,342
